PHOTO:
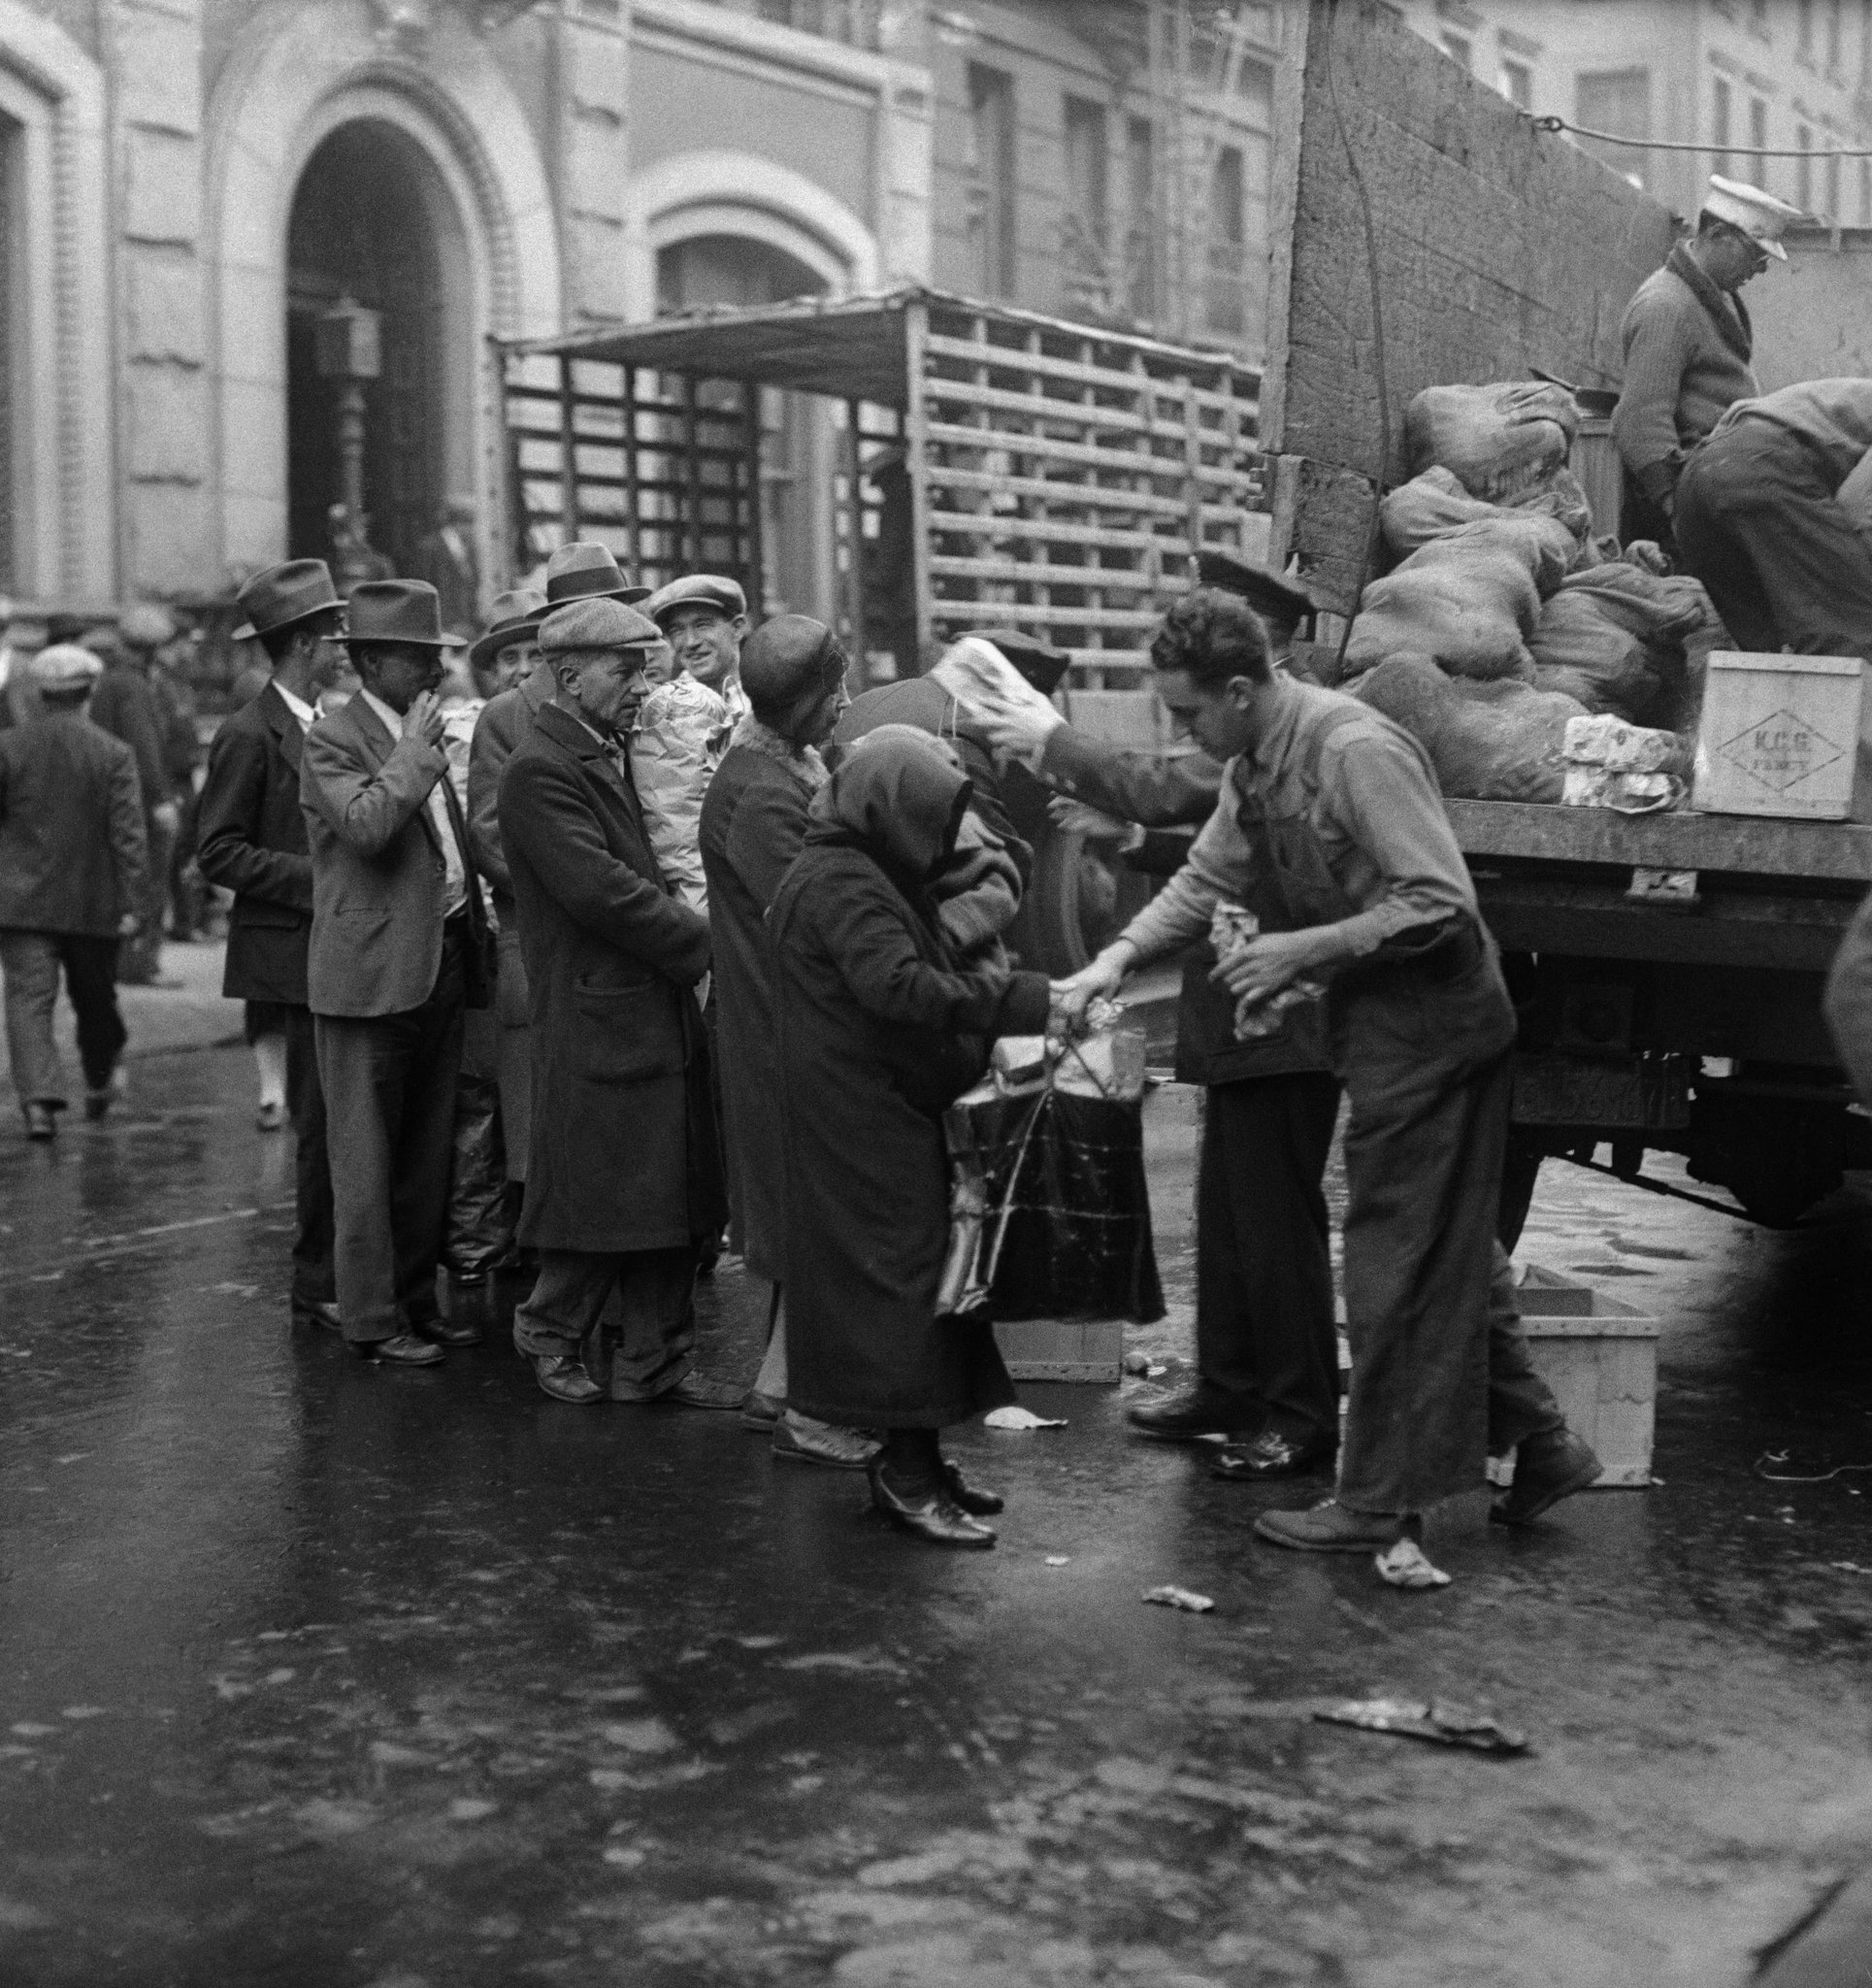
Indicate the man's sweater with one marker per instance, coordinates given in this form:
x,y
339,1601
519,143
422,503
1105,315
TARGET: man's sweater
x,y
1684,368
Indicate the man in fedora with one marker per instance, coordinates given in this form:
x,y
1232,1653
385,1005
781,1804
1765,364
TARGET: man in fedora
x,y
623,1175
253,842
581,571
397,953
508,647
703,619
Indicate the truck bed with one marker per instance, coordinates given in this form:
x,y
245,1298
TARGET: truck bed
x,y
1750,846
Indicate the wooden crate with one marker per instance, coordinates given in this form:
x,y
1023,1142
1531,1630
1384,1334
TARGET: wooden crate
x,y
1778,735
1064,1349
1599,1355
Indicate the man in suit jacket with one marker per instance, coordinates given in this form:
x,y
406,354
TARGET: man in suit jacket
x,y
447,560
396,953
623,1178
73,864
252,830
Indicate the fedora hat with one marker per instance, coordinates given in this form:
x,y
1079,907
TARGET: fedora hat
x,y
284,594
584,569
514,616
397,611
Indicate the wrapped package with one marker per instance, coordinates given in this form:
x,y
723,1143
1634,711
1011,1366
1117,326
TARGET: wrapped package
x,y
1500,741
1609,742
1231,927
1500,440
987,686
1629,793
681,734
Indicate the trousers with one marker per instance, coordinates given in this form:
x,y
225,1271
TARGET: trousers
x,y
1263,1270
1440,1369
653,1323
140,959
514,1052
389,1087
1758,525
31,962
313,1280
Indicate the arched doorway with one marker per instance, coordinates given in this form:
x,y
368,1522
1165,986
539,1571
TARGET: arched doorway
x,y
372,220
798,437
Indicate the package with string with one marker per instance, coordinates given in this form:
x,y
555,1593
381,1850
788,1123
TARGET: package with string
x,y
1049,1211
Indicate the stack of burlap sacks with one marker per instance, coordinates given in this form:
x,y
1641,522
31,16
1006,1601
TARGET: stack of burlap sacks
x,y
1504,615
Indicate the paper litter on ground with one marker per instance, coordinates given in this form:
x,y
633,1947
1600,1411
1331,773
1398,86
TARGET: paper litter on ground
x,y
1185,1599
1437,1721
1407,1566
1019,1418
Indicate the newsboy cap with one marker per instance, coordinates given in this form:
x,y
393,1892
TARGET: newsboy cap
x,y
696,590
584,568
600,623
65,666
146,625
284,594
1266,593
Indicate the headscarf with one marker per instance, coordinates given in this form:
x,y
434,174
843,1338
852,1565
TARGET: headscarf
x,y
901,798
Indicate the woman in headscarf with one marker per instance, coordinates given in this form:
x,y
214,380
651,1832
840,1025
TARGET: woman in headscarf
x,y
879,1029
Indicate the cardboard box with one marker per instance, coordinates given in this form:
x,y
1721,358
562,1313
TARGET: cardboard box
x,y
1778,735
1599,1356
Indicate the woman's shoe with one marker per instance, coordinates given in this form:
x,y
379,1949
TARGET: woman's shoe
x,y
977,1503
930,1514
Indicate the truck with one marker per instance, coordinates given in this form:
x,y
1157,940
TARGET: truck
x,y
994,466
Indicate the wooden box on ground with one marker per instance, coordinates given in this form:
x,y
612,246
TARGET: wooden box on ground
x,y
1600,1358
1064,1349
1778,735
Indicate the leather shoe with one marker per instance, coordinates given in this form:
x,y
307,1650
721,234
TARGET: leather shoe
x,y
1270,1455
562,1377
929,1513
761,1413
40,1125
977,1503
447,1332
404,1350
317,1311
1188,1413
801,1440
1330,1527
698,1391
1548,1467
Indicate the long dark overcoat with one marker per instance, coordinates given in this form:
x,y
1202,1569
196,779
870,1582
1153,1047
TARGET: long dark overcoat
x,y
753,823
252,842
877,1035
623,1154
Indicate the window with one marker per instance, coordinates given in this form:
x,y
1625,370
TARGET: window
x,y
1517,83
1804,31
1459,50
1804,168
989,163
1865,193
1228,256
1139,274
1721,112
1865,48
853,21
1618,102
1759,141
1087,221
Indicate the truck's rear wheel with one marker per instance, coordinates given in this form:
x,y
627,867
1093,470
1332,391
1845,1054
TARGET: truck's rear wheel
x,y
1072,906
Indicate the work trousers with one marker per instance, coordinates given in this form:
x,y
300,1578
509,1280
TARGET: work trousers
x,y
1756,523
514,1051
31,962
1440,1371
651,1331
389,1086
1264,1270
313,1232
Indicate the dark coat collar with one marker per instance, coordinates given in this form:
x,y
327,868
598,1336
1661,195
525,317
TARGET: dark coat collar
x,y
579,740
1726,312
282,724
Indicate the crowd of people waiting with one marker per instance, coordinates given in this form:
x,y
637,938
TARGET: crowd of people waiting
x,y
729,943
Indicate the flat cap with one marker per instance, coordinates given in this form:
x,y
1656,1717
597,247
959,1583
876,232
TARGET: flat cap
x,y
597,622
1266,592
146,625
696,590
65,666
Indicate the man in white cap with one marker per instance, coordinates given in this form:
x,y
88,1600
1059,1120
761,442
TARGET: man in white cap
x,y
623,1169
74,862
1687,348
703,619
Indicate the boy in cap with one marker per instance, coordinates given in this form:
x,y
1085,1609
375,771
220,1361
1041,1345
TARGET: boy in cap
x,y
1687,348
73,869
703,619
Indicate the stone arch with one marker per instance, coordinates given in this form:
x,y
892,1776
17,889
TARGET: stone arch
x,y
736,193
299,74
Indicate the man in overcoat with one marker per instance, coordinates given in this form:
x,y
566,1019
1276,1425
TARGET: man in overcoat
x,y
753,824
581,571
73,866
397,952
252,842
623,1175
